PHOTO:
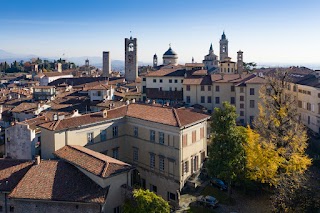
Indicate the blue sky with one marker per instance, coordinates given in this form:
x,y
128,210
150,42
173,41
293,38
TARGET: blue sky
x,y
267,31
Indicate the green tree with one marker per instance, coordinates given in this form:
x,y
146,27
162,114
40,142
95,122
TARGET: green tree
x,y
226,152
249,67
145,201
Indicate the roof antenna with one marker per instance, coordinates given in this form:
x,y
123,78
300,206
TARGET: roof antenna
x,y
130,34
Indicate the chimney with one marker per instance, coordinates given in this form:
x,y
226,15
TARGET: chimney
x,y
147,101
105,113
222,76
153,102
127,102
167,103
37,160
75,113
133,101
39,105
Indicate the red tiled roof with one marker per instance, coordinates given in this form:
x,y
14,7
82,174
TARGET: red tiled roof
x,y
94,162
176,71
25,106
100,87
164,115
153,113
198,80
35,122
200,72
84,119
188,116
58,181
233,78
256,80
11,172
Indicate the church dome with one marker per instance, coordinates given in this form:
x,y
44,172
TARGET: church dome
x,y
170,52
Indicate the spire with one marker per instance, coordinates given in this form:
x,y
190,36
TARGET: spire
x,y
223,36
211,49
192,60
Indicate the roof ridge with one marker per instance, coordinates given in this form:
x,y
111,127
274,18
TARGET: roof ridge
x,y
75,147
176,116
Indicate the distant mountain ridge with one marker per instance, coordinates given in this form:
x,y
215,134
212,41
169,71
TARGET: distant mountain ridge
x,y
96,61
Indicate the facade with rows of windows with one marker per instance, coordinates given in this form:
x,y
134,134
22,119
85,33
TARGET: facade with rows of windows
x,y
165,145
210,91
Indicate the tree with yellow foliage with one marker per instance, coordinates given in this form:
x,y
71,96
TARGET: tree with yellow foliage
x,y
275,149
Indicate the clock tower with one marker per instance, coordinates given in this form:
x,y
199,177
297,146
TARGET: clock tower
x,y
223,47
131,61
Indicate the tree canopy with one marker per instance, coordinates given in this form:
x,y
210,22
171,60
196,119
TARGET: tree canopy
x,y
275,149
226,152
145,201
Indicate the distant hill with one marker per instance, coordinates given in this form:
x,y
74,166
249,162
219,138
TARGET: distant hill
x,y
10,57
117,65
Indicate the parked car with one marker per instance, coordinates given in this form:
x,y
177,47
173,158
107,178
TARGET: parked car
x,y
218,183
208,201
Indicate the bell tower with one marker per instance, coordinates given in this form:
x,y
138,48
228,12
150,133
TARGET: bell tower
x,y
240,62
223,47
131,61
155,61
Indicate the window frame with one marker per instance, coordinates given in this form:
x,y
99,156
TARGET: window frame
x,y
115,131
152,135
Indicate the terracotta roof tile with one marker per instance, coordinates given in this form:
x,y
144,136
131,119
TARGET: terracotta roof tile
x,y
176,71
198,80
84,119
91,161
154,113
165,115
35,122
188,116
200,72
11,172
233,78
58,181
25,107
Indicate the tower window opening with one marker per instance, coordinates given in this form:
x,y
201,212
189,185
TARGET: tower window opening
x,y
131,47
